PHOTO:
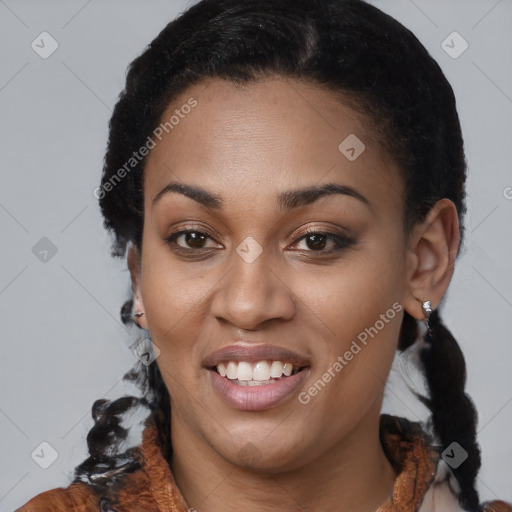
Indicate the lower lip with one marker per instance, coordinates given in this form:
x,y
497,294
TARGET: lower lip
x,y
256,398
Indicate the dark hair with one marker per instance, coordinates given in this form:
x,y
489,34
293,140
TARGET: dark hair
x,y
376,66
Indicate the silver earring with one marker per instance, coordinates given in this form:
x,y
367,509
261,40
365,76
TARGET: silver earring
x,y
139,314
426,307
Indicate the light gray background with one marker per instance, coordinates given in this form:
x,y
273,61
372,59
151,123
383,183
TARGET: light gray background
x,y
63,345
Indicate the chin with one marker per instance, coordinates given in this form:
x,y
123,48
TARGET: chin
x,y
262,451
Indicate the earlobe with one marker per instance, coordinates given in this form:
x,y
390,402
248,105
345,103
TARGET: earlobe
x,y
134,265
433,246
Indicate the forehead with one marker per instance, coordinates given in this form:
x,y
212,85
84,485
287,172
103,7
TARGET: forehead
x,y
268,136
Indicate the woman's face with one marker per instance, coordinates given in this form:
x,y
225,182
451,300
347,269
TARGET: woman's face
x,y
248,280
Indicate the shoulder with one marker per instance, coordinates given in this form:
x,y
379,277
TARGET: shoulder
x,y
78,497
497,506
441,496
142,481
424,478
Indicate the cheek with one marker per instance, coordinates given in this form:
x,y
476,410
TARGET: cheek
x,y
172,300
171,289
353,295
358,312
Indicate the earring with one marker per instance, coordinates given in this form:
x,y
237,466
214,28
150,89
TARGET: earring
x,y
139,314
426,307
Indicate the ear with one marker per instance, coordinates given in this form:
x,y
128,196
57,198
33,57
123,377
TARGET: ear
x,y
134,260
432,248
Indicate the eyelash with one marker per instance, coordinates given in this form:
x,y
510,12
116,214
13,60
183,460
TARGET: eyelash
x,y
340,241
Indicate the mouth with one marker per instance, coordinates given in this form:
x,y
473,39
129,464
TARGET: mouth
x,y
254,378
262,373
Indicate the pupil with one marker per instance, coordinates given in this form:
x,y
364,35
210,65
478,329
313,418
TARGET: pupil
x,y
194,238
317,244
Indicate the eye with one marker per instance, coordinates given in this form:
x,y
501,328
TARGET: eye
x,y
316,241
191,240
188,241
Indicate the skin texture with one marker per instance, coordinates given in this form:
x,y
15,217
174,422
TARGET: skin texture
x,y
247,144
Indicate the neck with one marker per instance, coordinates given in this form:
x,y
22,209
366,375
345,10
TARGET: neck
x,y
354,475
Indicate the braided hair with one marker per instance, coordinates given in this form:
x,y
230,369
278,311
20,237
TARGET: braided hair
x,y
376,66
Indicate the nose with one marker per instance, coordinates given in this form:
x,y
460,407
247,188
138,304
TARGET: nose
x,y
252,292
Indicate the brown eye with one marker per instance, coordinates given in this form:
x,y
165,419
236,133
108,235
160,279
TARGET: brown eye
x,y
194,238
188,239
316,241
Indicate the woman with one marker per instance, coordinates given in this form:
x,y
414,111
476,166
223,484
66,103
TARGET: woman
x,y
286,180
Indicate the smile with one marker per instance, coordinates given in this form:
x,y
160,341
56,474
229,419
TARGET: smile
x,y
254,377
253,374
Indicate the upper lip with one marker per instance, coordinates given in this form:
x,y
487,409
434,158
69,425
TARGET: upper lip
x,y
253,354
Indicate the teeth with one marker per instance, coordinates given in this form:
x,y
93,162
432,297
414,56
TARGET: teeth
x,y
232,370
261,371
276,370
221,369
246,373
287,369
253,382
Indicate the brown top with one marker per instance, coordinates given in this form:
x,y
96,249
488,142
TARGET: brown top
x,y
418,486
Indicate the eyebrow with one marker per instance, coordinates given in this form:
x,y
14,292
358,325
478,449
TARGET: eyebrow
x,y
287,200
